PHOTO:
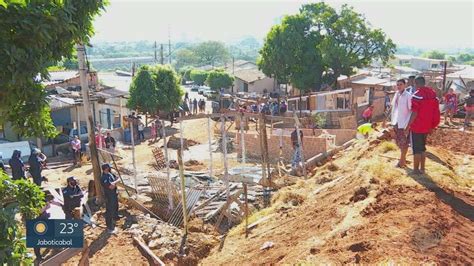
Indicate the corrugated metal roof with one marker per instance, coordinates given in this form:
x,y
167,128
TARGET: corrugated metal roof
x,y
56,102
369,81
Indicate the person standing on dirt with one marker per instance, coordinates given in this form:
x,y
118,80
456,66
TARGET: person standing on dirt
x,y
17,165
36,160
195,106
76,150
109,183
295,163
141,129
401,112
110,143
469,108
72,194
2,165
451,103
424,118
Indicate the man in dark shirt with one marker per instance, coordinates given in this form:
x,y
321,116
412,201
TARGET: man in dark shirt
x,y
109,183
469,107
110,142
295,163
72,194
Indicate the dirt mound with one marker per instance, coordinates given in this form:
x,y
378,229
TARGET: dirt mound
x,y
454,140
175,143
370,212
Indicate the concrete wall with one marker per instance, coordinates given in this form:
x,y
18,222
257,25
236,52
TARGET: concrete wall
x,y
259,86
311,146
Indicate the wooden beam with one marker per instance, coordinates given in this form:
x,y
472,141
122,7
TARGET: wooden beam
x,y
139,206
145,250
61,257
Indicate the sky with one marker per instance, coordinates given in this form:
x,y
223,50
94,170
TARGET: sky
x,y
419,23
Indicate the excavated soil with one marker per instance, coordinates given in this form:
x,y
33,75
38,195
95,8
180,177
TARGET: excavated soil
x,y
370,212
453,140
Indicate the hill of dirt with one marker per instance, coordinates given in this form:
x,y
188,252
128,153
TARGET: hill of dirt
x,y
360,208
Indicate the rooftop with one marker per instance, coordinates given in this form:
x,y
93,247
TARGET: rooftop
x,y
249,75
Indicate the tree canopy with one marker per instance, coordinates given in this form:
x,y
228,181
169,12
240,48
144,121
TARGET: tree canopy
x,y
198,76
33,36
434,54
211,53
169,92
143,92
218,79
185,57
318,44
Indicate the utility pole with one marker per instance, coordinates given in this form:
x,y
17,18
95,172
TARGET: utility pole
x,y
162,60
87,113
169,45
156,58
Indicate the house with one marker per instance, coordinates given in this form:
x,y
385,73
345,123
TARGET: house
x,y
252,80
424,64
370,90
69,79
400,60
239,65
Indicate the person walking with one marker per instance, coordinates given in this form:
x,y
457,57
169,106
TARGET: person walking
x,y
469,108
296,161
72,195
36,161
424,118
153,132
451,103
109,184
76,150
401,112
17,165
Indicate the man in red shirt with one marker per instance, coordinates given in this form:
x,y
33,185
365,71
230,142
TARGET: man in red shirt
x,y
424,118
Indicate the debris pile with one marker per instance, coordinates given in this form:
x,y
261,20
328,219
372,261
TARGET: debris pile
x,y
175,143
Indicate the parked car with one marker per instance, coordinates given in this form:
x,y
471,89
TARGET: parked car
x,y
83,136
210,93
195,88
202,89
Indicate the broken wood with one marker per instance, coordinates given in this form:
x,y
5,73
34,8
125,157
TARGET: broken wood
x,y
146,251
61,257
144,209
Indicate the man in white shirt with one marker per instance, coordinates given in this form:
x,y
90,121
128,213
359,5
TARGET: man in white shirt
x,y
401,112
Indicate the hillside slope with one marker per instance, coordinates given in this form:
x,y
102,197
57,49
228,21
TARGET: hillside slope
x,y
359,208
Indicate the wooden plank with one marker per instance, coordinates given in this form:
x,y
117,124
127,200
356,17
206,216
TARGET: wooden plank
x,y
145,250
61,257
139,206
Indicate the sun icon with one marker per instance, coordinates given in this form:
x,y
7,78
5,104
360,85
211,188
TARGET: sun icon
x,y
41,228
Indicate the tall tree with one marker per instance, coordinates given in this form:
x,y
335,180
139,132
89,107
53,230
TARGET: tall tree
x,y
169,92
143,92
211,53
185,57
33,36
198,76
290,55
319,44
218,79
348,41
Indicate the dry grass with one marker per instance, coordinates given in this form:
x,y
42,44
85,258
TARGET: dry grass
x,y
239,229
285,196
387,146
379,170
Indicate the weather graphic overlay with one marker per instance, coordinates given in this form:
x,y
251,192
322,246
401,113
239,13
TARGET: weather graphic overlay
x,y
54,233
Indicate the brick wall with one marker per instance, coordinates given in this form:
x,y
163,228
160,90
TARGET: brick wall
x,y
311,146
342,135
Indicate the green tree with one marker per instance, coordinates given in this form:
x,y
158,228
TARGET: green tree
x,y
211,53
169,92
319,44
218,79
33,36
198,76
434,54
348,42
290,53
185,57
465,57
16,196
143,92
71,63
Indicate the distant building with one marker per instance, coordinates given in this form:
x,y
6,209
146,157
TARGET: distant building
x,y
253,80
426,64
